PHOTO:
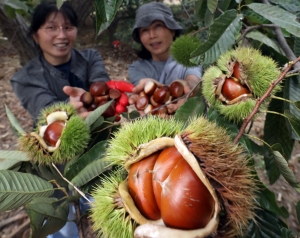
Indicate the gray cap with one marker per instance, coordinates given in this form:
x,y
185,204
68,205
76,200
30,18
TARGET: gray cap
x,y
149,12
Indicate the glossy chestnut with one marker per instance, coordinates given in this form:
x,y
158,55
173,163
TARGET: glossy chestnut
x,y
98,88
176,89
53,132
232,89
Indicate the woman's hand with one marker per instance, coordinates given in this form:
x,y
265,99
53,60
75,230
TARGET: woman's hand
x,y
75,94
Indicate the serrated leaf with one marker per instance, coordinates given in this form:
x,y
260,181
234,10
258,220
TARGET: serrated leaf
x,y
222,36
90,172
94,115
256,35
10,158
18,189
266,226
267,200
14,121
212,5
97,152
278,16
292,6
295,122
194,106
254,18
285,171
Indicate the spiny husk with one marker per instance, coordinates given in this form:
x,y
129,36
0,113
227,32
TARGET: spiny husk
x,y
259,71
182,48
73,141
108,215
61,106
227,166
125,142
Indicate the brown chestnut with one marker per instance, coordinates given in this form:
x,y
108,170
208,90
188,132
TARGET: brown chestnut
x,y
176,89
141,103
114,93
110,111
99,99
232,89
161,95
86,98
92,107
53,132
140,187
150,87
98,88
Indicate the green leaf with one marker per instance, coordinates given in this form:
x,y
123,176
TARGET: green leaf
x,y
17,5
93,117
222,36
272,169
297,46
212,5
266,226
17,189
298,211
194,106
278,16
286,172
292,6
97,152
90,172
267,200
106,11
59,3
256,35
297,105
45,218
295,122
254,18
14,121
10,158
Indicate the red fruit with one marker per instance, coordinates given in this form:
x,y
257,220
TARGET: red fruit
x,y
98,88
232,89
186,203
123,100
53,132
164,164
120,108
111,84
140,187
124,86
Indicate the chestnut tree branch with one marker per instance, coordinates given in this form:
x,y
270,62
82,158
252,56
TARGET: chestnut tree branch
x,y
261,100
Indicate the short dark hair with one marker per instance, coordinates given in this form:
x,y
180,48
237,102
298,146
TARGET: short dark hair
x,y
44,9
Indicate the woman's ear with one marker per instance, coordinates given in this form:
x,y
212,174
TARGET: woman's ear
x,y
35,38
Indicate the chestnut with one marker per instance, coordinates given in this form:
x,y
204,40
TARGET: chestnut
x,y
232,89
161,95
140,186
86,98
110,111
99,99
53,132
141,103
150,87
114,93
176,89
98,88
92,107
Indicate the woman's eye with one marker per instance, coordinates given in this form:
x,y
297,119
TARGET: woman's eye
x,y
50,27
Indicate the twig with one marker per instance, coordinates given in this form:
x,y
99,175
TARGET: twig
x,y
81,193
260,100
12,219
20,229
78,220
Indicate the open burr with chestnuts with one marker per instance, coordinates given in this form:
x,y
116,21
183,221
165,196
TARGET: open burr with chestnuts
x,y
101,92
153,98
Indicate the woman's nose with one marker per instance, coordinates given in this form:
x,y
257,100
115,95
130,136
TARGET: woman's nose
x,y
152,33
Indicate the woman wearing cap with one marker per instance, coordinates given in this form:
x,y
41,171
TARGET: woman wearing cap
x,y
155,29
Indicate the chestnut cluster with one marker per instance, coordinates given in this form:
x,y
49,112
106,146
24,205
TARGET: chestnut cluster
x,y
101,92
154,97
164,186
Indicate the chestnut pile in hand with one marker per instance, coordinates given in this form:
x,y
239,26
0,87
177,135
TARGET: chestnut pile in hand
x,y
154,97
101,92
163,185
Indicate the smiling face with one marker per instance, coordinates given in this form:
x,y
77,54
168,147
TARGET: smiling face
x,y
157,39
56,45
